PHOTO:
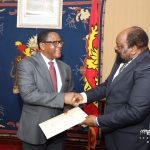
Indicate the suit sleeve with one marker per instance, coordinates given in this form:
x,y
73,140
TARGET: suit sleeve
x,y
97,93
137,108
29,91
100,91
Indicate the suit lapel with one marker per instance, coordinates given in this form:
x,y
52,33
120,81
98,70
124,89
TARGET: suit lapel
x,y
121,75
43,70
114,69
126,70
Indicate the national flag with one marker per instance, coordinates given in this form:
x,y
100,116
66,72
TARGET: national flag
x,y
91,65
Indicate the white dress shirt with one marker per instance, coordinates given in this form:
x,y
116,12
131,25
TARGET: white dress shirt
x,y
59,82
117,72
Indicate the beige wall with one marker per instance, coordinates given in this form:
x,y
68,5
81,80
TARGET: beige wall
x,y
120,14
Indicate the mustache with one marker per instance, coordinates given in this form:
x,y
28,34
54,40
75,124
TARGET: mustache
x,y
118,58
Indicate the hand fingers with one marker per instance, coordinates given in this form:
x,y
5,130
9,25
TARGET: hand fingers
x,y
66,110
76,101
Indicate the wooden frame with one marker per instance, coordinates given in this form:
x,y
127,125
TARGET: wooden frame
x,y
39,14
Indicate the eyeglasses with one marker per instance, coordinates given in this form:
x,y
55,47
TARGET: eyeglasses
x,y
55,43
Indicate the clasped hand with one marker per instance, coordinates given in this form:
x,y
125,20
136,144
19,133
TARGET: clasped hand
x,y
72,98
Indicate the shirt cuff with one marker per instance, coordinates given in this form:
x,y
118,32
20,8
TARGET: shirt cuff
x,y
97,121
84,97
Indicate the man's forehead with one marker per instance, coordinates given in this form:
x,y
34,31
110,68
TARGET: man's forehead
x,y
122,36
53,35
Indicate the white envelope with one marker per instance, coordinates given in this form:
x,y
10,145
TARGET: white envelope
x,y
62,122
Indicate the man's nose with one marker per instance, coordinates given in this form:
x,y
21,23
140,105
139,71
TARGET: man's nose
x,y
116,49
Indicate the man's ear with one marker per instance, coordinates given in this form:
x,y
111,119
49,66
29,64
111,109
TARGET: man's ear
x,y
42,47
134,50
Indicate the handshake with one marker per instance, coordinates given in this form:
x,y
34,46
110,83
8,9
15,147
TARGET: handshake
x,y
72,98
75,99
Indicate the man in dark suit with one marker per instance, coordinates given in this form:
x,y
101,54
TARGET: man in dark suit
x,y
127,93
43,96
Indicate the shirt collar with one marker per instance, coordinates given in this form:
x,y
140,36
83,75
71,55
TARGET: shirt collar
x,y
47,60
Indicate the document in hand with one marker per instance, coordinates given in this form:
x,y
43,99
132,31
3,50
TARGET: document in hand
x,y
62,122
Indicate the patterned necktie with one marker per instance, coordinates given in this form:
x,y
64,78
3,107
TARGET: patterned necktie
x,y
52,72
122,67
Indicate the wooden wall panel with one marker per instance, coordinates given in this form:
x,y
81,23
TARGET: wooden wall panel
x,y
121,14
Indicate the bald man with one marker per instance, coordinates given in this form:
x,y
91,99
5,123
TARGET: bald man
x,y
43,82
127,93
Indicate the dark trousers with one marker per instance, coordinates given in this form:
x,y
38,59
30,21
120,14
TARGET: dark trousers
x,y
55,143
125,141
